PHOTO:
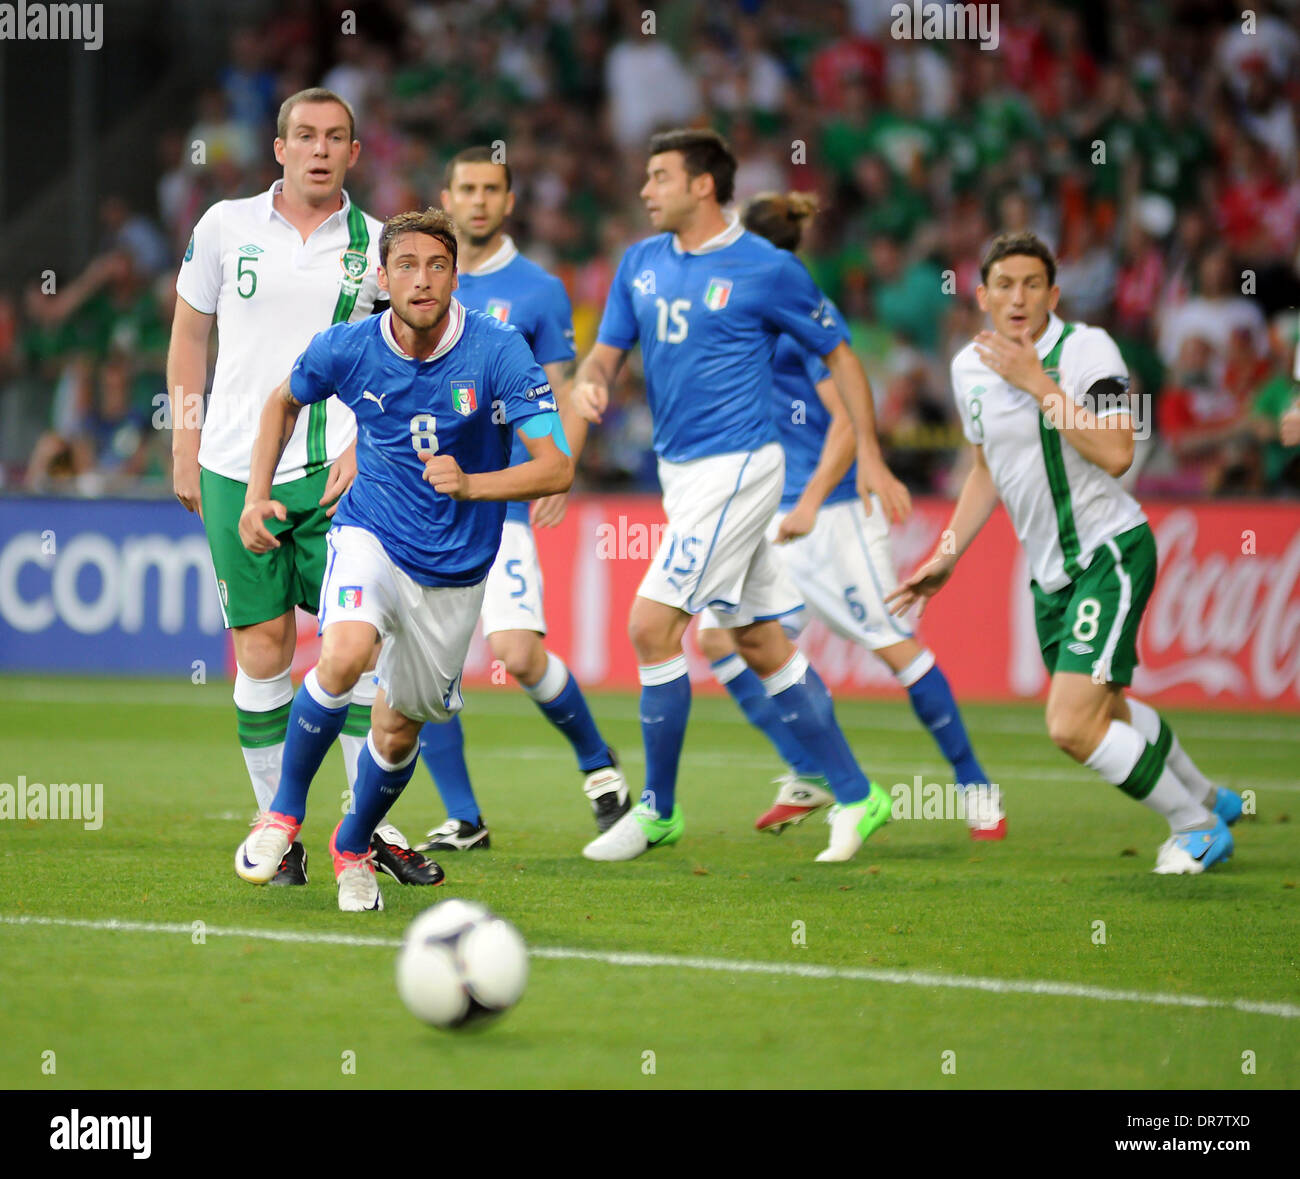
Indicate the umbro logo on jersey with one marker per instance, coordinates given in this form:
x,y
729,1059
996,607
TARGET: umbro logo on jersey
x,y
1080,649
379,401
251,250
645,283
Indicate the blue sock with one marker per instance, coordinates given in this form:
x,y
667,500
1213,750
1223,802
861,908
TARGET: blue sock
x,y
805,705
562,703
379,785
315,721
933,703
443,748
746,689
665,705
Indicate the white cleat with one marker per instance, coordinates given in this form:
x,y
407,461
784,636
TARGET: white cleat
x,y
984,814
258,858
625,840
358,888
606,790
852,825
355,876
796,799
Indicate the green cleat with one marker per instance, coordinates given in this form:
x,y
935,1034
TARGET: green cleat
x,y
636,833
853,825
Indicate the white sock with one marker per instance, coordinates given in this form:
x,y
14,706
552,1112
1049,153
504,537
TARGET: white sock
x,y
1117,760
1147,721
363,696
552,682
263,761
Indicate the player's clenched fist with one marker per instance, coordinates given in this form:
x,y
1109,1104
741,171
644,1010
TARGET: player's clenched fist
x,y
591,399
443,473
253,532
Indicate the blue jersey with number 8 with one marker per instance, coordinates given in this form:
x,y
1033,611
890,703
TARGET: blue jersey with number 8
x,y
465,400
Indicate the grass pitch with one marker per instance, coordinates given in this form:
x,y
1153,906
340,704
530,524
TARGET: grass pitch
x,y
933,945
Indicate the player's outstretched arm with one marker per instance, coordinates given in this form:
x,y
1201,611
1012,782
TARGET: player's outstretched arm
x,y
975,504
836,457
873,475
594,379
187,371
548,471
274,429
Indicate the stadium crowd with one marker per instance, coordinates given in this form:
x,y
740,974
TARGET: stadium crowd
x,y
1156,147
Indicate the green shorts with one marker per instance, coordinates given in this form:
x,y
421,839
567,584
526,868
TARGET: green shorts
x,y
1090,626
257,587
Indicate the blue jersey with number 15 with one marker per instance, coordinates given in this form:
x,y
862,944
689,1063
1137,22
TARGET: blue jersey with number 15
x,y
465,400
708,321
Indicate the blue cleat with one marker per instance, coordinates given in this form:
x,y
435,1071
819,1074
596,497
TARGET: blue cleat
x,y
1191,852
1227,804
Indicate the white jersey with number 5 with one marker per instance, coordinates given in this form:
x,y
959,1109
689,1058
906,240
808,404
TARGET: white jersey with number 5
x,y
271,293
1062,506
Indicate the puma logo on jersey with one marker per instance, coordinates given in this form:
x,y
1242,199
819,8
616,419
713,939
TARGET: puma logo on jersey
x,y
379,401
645,283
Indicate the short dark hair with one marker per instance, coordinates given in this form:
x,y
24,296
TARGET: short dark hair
x,y
314,94
434,222
1021,243
475,155
702,151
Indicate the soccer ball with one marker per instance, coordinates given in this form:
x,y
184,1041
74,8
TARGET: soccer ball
x,y
460,964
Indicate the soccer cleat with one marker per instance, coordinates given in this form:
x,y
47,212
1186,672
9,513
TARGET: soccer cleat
x,y
606,789
984,814
355,876
456,835
1227,804
796,798
394,856
293,868
1189,853
259,857
852,824
635,833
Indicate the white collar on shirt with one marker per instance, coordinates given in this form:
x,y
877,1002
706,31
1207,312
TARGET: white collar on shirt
x,y
451,334
500,260
718,241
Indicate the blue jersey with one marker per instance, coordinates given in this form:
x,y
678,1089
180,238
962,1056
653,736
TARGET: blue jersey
x,y
708,322
518,292
465,400
801,418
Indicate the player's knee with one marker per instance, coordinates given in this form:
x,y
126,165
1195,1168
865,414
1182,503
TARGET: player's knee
x,y
340,667
523,654
395,745
1069,735
648,637
715,643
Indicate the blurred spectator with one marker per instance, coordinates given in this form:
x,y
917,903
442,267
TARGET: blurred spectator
x,y
1273,398
647,85
136,235
1213,313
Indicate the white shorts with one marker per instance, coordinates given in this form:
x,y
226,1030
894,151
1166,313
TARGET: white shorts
x,y
513,600
844,568
426,629
714,552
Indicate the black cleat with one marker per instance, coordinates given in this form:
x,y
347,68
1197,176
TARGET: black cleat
x,y
457,835
606,788
401,863
293,868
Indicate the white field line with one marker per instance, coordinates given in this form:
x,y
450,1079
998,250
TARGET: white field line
x,y
912,978
510,702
